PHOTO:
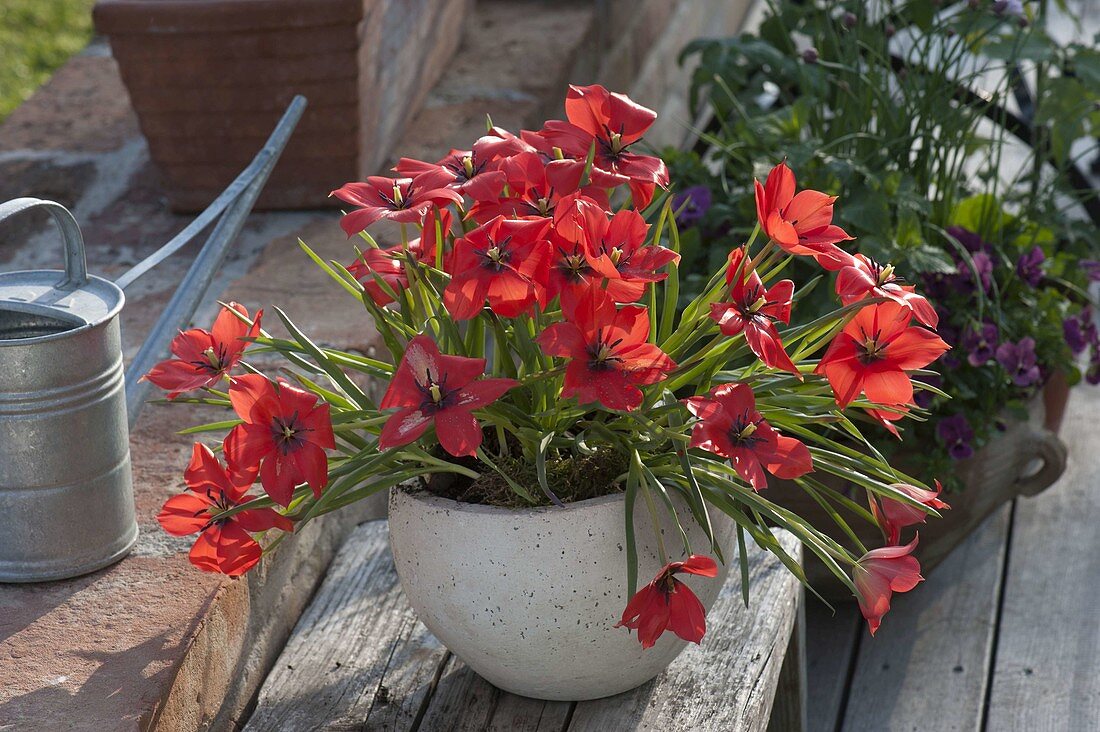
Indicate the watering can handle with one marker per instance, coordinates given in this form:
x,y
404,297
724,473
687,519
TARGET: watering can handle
x,y
76,265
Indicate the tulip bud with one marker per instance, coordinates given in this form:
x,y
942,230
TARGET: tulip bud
x,y
850,20
810,55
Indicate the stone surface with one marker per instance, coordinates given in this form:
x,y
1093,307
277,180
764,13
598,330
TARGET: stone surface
x,y
151,642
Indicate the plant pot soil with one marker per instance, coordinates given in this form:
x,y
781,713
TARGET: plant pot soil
x,y
528,598
1024,460
210,78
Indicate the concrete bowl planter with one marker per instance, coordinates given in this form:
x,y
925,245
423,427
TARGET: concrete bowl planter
x,y
1023,460
209,79
528,597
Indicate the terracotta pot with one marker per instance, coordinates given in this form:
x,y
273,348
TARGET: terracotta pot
x,y
1055,399
528,598
1024,460
209,79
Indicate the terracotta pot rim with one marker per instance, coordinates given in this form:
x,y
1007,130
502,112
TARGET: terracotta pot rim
x,y
214,17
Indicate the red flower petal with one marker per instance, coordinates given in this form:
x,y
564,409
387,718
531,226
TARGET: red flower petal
x,y
686,616
184,514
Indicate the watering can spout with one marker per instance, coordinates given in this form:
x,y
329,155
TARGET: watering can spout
x,y
65,408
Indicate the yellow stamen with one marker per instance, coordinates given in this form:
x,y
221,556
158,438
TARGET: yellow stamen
x,y
436,392
616,255
886,274
748,430
397,197
468,166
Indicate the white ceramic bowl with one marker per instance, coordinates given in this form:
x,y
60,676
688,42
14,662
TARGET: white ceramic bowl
x,y
528,597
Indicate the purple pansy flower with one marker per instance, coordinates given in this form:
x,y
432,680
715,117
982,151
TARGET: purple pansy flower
x,y
980,343
1092,374
1074,335
949,334
956,435
1030,266
980,263
1091,268
967,238
692,205
1080,332
1018,359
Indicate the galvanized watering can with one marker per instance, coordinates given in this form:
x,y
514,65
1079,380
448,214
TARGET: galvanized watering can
x,y
65,406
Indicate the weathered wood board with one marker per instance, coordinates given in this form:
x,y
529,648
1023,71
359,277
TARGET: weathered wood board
x,y
359,660
1046,674
831,647
928,665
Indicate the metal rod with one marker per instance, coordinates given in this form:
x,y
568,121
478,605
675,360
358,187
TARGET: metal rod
x,y
192,289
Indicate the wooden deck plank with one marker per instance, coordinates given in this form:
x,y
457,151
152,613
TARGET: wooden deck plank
x,y
698,693
928,666
465,702
358,658
1047,664
831,645
789,708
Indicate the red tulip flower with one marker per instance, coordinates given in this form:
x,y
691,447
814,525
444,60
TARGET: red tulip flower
x,y
402,200
617,253
893,515
754,311
475,172
608,351
873,352
204,357
431,387
224,544
613,122
800,223
503,261
388,264
863,277
730,427
879,574
534,187
887,417
570,275
285,432
666,603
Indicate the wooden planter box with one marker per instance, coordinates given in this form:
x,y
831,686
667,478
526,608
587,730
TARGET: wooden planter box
x,y
1024,460
210,78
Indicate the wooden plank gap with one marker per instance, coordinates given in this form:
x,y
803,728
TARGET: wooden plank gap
x,y
569,717
427,700
987,695
849,677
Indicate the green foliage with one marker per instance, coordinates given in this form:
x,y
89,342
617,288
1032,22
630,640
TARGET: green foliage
x,y
36,37
893,133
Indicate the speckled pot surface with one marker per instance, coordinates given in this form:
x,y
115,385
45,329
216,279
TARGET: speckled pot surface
x,y
528,597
